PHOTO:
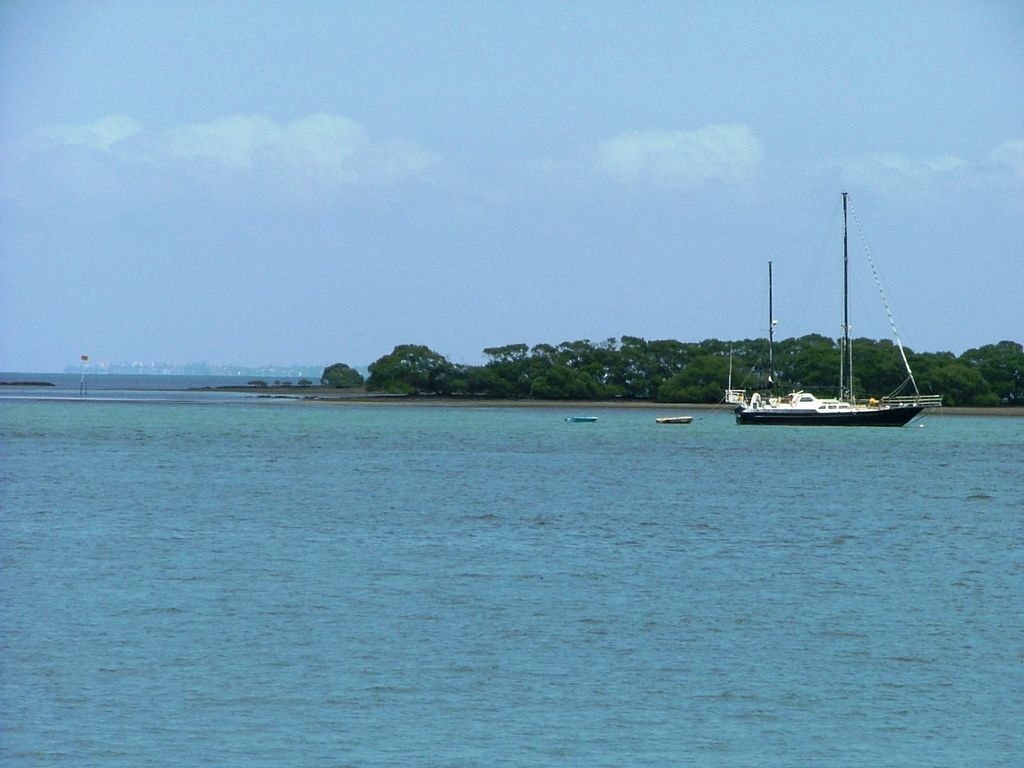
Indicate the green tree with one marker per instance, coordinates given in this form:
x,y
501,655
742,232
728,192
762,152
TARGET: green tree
x,y
808,362
958,383
544,352
631,371
877,367
1002,367
596,361
415,369
702,381
508,354
508,372
341,376
564,383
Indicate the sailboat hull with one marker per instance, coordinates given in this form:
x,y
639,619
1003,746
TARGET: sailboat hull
x,y
874,417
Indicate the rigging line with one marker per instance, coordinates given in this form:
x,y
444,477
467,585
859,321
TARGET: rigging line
x,y
874,272
885,300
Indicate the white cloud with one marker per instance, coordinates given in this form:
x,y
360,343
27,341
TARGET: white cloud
x,y
326,144
716,153
930,180
321,153
1011,155
230,141
330,150
322,145
911,169
101,135
904,174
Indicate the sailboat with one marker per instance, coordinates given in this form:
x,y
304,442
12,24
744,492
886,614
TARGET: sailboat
x,y
805,409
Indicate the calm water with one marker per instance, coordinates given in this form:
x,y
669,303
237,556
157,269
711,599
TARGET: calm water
x,y
243,583
152,387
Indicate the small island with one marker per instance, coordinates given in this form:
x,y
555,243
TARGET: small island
x,y
634,370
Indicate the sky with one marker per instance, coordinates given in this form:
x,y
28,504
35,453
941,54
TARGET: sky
x,y
302,183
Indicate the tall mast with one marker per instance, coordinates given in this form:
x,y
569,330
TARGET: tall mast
x,y
846,351
771,332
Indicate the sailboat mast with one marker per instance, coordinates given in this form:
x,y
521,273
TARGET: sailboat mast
x,y
846,351
771,332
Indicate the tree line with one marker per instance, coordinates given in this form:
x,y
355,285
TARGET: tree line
x,y
669,371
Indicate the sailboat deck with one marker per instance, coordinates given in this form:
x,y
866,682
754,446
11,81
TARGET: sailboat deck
x,y
925,401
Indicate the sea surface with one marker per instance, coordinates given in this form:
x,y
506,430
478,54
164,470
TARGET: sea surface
x,y
195,579
113,386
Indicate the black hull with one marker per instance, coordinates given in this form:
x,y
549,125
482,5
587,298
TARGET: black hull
x,y
883,417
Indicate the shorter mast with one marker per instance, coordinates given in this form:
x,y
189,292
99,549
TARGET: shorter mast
x,y
771,332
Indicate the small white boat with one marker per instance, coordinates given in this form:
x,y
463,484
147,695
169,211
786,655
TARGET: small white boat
x,y
580,419
674,419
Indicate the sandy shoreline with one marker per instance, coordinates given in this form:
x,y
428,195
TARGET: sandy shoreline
x,y
341,397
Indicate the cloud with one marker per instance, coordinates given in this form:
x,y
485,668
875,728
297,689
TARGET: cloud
x,y
100,135
245,156
329,150
232,142
896,166
903,175
322,146
1010,154
729,154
